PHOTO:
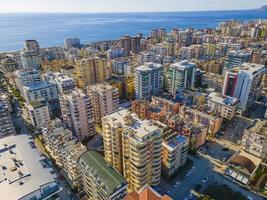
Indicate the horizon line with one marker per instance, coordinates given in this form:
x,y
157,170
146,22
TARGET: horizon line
x,y
118,12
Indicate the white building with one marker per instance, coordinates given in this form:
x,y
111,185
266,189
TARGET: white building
x,y
39,91
64,82
30,60
6,124
77,112
24,78
248,84
255,139
148,80
38,113
224,105
25,174
181,75
104,98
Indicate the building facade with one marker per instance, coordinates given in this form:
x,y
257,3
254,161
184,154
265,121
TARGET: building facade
x,y
148,80
133,147
77,112
100,180
104,98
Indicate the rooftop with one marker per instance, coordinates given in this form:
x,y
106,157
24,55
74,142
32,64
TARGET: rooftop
x,y
183,65
23,169
130,120
109,177
251,68
259,127
176,141
40,85
149,67
225,100
146,193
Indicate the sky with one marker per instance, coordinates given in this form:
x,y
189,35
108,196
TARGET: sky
x,y
7,6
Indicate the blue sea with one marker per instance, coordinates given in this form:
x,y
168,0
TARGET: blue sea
x,y
51,29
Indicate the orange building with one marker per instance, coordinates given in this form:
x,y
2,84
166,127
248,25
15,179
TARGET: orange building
x,y
146,193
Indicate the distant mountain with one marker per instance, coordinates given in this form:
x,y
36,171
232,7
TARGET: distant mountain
x,y
263,8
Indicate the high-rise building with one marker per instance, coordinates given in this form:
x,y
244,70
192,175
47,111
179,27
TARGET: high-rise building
x,y
121,66
133,147
125,43
105,99
72,43
91,71
30,55
148,80
6,124
64,82
244,83
38,113
100,181
30,60
255,139
236,58
39,91
24,78
77,112
181,75
32,45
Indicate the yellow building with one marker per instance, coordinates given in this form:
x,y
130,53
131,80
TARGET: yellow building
x,y
133,147
90,71
129,88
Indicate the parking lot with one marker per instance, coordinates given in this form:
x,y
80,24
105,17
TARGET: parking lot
x,y
204,172
233,131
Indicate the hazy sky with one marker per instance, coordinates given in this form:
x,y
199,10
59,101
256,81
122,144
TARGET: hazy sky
x,y
124,5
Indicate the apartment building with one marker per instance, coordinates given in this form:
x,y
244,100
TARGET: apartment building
x,y
64,148
148,80
174,152
39,91
100,180
38,113
64,82
24,78
255,139
133,147
91,71
6,124
210,120
244,83
77,112
104,98
224,105
181,75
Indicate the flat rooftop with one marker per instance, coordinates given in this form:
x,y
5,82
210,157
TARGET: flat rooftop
x,y
183,65
110,178
149,67
131,121
176,141
22,168
224,100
